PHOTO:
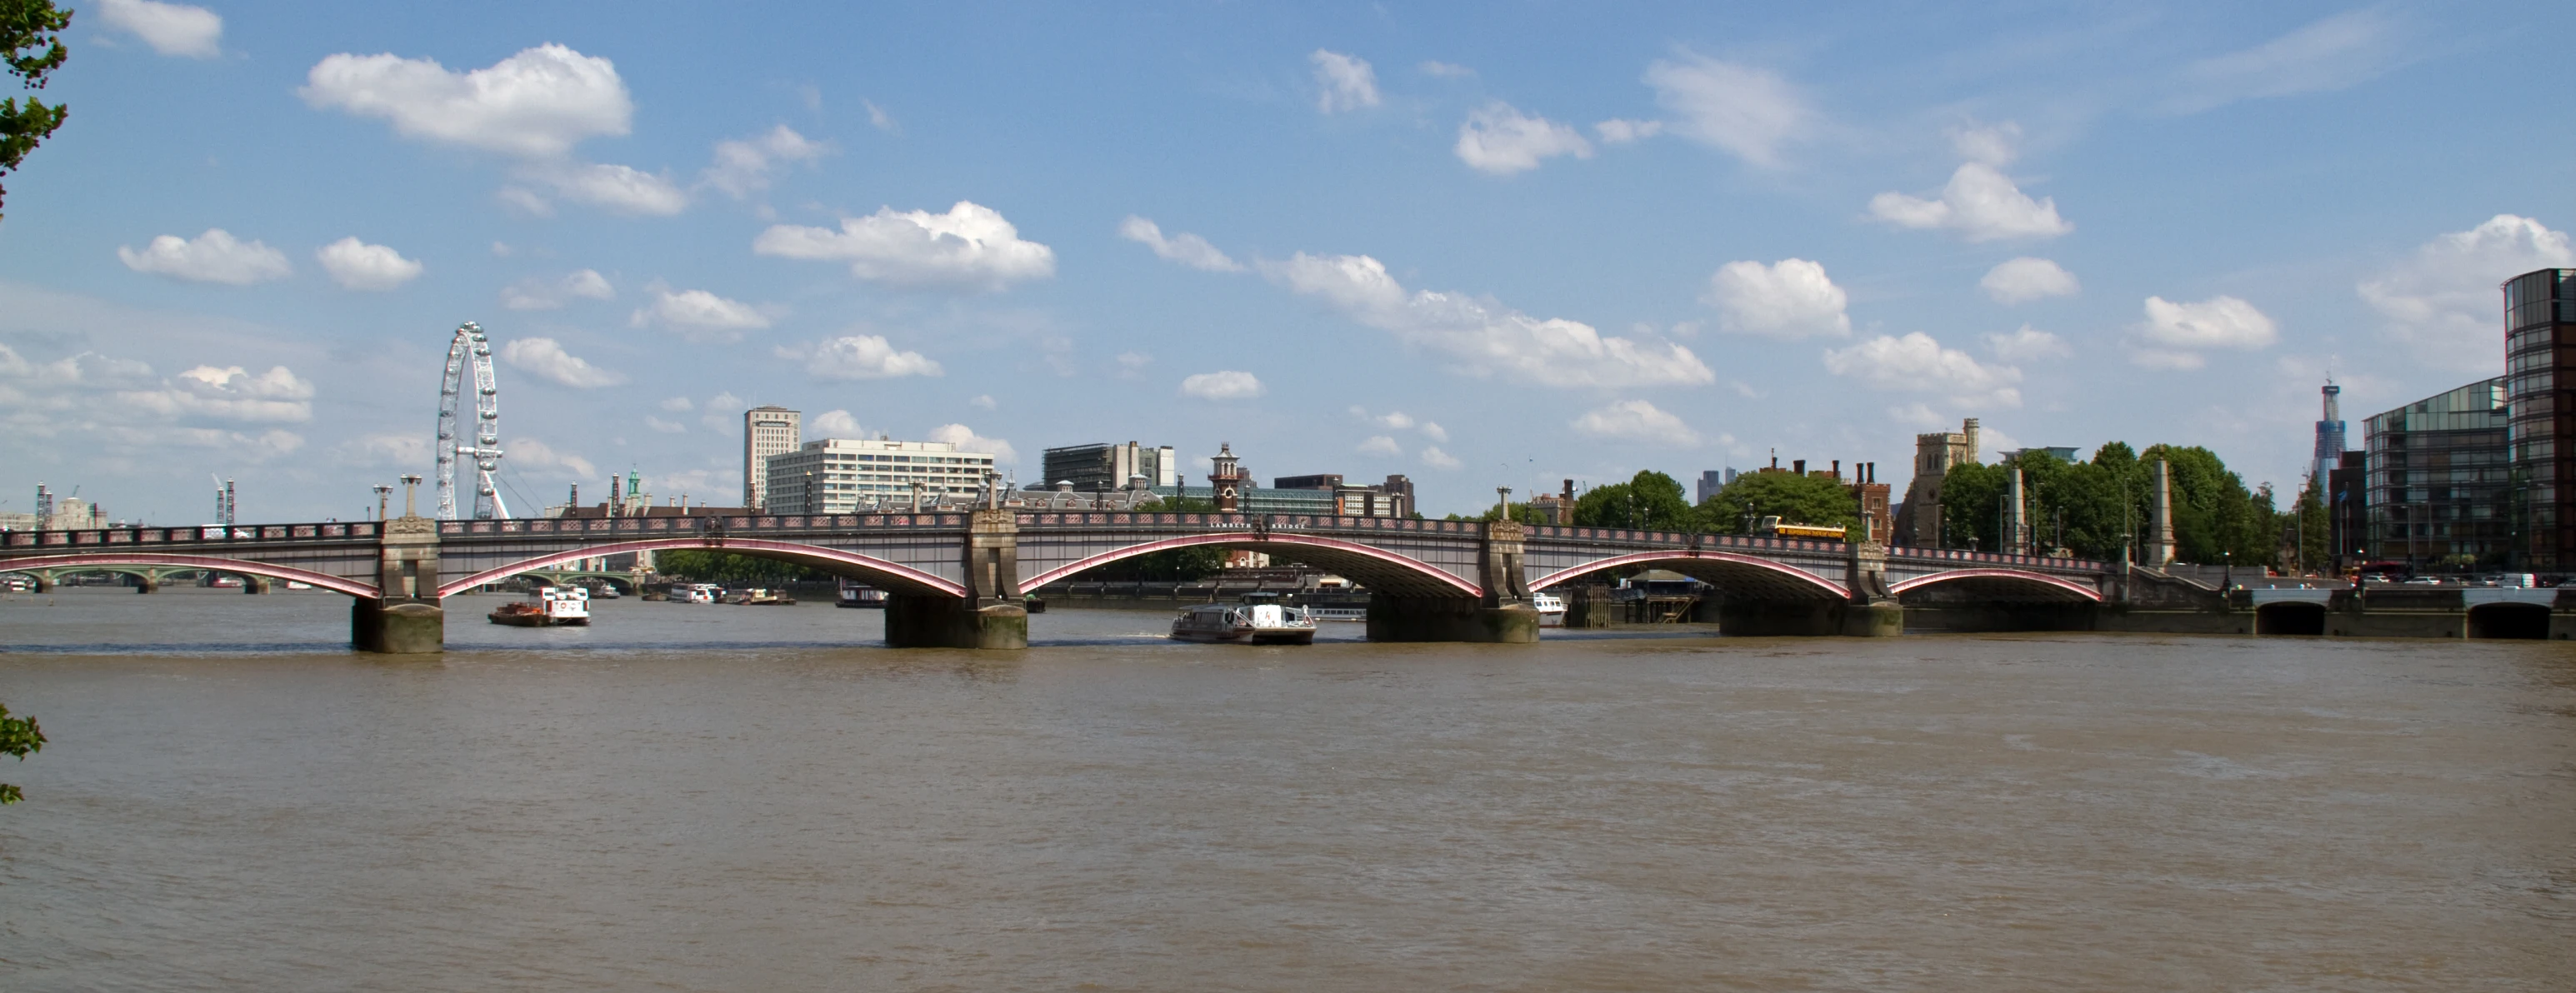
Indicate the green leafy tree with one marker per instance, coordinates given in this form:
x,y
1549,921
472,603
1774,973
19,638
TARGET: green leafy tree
x,y
1648,501
2104,505
1794,498
733,569
1171,565
18,736
30,44
2314,526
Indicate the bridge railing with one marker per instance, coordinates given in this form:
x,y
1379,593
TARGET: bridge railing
x,y
694,525
241,534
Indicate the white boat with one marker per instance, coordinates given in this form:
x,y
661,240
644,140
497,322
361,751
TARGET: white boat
x,y
1259,623
1551,609
553,606
697,593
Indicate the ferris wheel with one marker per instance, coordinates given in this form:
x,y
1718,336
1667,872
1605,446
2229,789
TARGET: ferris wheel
x,y
470,349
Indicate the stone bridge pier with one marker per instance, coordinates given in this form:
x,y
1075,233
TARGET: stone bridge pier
x,y
1502,615
1870,610
407,619
992,615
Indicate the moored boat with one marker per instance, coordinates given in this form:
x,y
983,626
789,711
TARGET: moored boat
x,y
552,606
860,595
1551,609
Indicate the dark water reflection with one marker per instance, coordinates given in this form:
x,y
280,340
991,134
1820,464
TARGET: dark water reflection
x,y
749,798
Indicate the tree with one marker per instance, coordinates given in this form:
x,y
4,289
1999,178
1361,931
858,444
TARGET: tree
x,y
29,43
1648,501
732,569
1794,498
2314,525
18,736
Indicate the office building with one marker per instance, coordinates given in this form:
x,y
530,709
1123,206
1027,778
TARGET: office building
x,y
1710,481
840,475
2540,375
1320,481
1918,519
1100,466
1393,498
766,431
2330,436
2440,478
2348,508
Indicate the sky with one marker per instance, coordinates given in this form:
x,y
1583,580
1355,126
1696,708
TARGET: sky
x,y
1480,245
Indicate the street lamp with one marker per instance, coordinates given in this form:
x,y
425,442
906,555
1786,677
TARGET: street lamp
x,y
1503,510
384,498
411,491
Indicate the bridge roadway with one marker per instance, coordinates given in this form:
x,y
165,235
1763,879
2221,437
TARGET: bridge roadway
x,y
955,579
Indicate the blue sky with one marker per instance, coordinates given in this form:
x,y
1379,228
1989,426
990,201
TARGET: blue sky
x,y
1478,244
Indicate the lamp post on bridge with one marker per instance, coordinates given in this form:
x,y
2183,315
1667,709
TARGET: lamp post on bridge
x,y
411,492
1503,509
384,499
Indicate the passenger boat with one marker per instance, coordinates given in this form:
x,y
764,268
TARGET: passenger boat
x,y
860,595
757,597
697,593
1551,609
553,606
1260,624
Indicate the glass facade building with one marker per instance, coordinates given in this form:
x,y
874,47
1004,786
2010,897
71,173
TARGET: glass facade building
x,y
2441,478
2540,372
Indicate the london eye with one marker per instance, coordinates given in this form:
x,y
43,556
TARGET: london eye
x,y
469,358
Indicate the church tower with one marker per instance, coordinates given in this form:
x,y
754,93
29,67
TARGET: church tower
x,y
1226,479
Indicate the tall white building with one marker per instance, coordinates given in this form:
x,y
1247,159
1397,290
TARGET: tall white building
x,y
839,475
766,431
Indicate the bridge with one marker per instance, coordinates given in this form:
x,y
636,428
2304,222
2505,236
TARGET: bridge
x,y
955,579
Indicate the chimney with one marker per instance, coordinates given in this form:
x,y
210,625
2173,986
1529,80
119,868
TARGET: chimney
x,y
1798,466
1838,470
1568,495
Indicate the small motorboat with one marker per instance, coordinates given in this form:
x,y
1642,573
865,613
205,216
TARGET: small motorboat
x,y
1551,609
1259,624
757,597
553,606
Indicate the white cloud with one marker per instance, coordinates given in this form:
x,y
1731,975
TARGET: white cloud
x,y
2027,345
678,405
1744,111
701,316
2329,54
229,394
525,201
746,166
879,119
1980,203
2444,299
1918,363
666,427
2175,334
1433,431
836,424
971,246
622,189
538,103
967,440
1397,420
1381,445
1995,145
2026,279
392,449
1438,459
1185,248
536,294
1619,131
1346,82
1637,420
1791,299
213,257
1222,385
1445,70
532,455
859,356
546,359
170,28
1483,336
983,402
1500,140
356,265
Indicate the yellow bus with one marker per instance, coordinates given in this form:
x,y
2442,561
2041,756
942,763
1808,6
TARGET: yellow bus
x,y
1772,528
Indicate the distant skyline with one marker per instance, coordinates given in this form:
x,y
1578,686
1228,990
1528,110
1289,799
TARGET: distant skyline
x,y
1474,245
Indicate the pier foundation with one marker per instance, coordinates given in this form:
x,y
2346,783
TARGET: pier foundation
x,y
928,621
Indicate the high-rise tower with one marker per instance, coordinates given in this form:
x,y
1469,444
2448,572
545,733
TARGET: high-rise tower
x,y
2329,436
766,431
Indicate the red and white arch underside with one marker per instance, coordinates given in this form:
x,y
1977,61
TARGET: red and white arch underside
x,y
1349,552
1682,558
243,567
2016,575
894,575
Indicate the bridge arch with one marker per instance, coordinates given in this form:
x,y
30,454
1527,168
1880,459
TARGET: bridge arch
x,y
2508,620
878,572
2003,584
1373,567
1725,570
121,561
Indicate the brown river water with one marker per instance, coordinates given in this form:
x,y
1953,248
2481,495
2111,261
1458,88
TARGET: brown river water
x,y
736,798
